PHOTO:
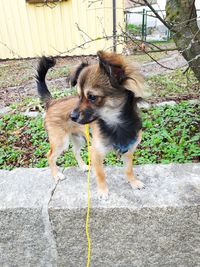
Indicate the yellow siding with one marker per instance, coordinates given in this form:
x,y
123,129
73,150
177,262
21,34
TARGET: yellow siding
x,y
32,30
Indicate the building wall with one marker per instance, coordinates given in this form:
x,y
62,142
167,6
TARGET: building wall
x,y
32,30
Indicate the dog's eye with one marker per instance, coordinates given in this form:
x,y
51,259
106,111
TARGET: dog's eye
x,y
92,98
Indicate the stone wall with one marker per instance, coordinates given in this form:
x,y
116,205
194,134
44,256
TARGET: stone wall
x,y
43,224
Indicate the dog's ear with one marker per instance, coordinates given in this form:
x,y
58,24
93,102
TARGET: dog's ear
x,y
75,75
113,65
121,73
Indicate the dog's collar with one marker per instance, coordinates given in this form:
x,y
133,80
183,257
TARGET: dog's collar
x,y
124,148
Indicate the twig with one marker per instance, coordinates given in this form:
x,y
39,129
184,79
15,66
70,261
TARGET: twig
x,y
193,6
100,21
191,42
157,47
48,4
186,70
11,51
155,13
147,53
163,50
94,1
80,30
83,44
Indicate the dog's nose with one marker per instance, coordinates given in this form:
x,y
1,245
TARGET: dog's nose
x,y
74,115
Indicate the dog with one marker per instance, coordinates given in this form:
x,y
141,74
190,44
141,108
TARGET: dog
x,y
108,93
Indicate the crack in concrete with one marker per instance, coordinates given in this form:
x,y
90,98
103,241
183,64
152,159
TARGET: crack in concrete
x,y
51,255
52,192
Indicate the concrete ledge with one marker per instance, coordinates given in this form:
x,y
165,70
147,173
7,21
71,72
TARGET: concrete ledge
x,y
45,226
25,232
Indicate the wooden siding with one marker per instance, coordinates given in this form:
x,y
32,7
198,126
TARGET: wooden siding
x,y
31,30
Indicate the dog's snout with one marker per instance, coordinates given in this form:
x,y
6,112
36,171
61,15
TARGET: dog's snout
x,y
74,115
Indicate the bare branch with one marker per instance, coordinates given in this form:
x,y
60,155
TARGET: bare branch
x,y
80,30
153,45
83,44
135,41
187,21
48,4
11,51
186,70
103,28
155,13
90,3
192,9
191,42
163,50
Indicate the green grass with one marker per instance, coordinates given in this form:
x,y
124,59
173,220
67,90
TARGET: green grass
x,y
21,72
34,104
17,73
171,134
144,58
166,44
174,84
60,72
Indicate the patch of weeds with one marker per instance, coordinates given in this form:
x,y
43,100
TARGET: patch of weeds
x,y
171,134
15,73
30,104
63,93
113,159
174,84
13,144
56,73
144,58
34,103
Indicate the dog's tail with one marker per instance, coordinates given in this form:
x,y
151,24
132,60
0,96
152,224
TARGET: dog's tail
x,y
44,65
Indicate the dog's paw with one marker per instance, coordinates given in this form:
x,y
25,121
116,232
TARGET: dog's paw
x,y
103,193
59,176
137,184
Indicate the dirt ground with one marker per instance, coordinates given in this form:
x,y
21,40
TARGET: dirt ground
x,y
17,76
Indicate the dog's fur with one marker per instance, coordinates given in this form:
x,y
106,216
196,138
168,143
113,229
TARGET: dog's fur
x,y
108,93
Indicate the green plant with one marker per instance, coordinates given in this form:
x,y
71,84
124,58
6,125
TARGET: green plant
x,y
174,84
134,29
58,72
171,134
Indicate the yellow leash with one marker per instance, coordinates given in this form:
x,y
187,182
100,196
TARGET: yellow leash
x,y
88,190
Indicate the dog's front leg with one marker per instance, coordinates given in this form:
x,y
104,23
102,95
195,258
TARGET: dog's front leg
x,y
97,164
128,164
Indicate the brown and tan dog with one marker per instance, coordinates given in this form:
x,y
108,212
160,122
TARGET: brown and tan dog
x,y
108,93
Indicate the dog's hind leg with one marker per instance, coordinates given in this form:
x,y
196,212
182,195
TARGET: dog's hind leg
x,y
77,142
57,146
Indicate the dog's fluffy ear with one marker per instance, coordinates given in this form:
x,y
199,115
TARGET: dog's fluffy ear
x,y
113,65
121,73
76,73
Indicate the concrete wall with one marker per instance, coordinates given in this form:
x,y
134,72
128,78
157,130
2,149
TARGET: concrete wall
x,y
43,224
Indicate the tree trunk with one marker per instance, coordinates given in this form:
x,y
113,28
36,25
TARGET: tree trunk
x,y
181,14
